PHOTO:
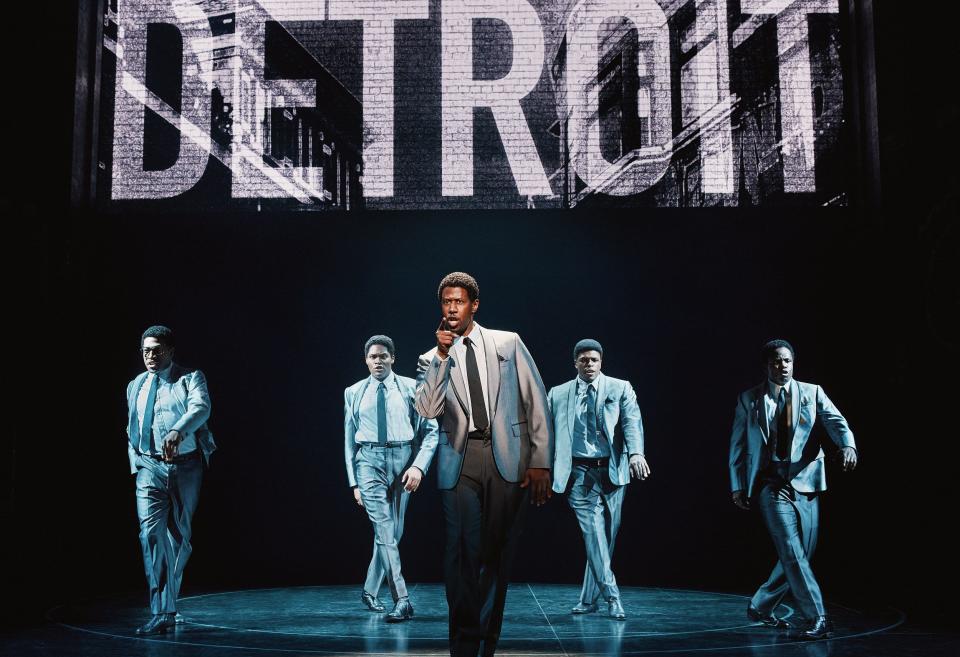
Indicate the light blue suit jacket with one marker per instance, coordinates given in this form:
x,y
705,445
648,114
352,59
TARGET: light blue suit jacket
x,y
519,419
424,431
616,401
184,399
751,431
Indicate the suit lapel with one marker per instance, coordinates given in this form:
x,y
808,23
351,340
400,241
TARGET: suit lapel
x,y
176,391
797,395
408,394
356,401
134,428
571,405
493,373
761,405
601,403
457,380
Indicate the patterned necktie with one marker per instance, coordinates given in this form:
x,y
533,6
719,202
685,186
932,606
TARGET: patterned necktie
x,y
784,434
146,427
590,415
381,414
477,407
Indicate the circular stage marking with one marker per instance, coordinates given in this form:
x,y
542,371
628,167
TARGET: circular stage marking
x,y
540,617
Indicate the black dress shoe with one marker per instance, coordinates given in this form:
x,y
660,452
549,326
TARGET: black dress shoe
x,y
402,611
769,620
372,602
821,628
157,625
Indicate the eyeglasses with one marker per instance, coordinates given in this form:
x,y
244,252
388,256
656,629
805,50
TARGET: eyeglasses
x,y
156,351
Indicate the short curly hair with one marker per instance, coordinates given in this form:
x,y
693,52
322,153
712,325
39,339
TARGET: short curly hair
x,y
162,334
381,340
460,279
587,344
770,349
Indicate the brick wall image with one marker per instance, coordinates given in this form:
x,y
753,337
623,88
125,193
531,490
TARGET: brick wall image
x,y
445,104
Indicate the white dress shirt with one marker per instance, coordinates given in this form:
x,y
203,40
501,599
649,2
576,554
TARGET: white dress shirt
x,y
165,412
460,353
584,445
399,428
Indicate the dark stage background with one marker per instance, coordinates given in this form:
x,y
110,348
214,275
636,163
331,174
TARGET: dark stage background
x,y
275,309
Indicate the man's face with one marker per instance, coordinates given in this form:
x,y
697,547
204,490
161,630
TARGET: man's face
x,y
457,309
156,356
379,361
588,364
780,366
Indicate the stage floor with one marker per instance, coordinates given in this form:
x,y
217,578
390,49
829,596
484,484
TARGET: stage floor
x,y
329,620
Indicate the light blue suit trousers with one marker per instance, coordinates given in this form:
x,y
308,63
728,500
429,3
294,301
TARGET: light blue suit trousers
x,y
787,494
167,496
379,478
596,502
792,520
596,493
377,472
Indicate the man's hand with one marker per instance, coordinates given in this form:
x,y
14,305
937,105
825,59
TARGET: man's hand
x,y
356,496
848,458
411,479
538,479
638,467
445,339
741,500
171,445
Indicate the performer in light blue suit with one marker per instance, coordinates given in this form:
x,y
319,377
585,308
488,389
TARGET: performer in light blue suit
x,y
593,463
388,448
776,466
169,443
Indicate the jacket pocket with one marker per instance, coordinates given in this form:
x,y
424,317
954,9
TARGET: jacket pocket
x,y
520,429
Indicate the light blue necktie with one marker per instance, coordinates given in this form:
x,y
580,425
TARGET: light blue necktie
x,y
590,419
147,430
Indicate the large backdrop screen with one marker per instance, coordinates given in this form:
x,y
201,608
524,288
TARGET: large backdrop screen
x,y
379,104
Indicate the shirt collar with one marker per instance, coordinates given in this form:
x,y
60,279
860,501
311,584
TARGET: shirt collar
x,y
582,385
476,336
164,374
390,381
774,390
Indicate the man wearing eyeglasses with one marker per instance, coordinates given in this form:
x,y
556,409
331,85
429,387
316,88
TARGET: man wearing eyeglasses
x,y
169,443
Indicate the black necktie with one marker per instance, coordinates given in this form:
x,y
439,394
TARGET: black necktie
x,y
477,407
381,414
784,435
146,430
